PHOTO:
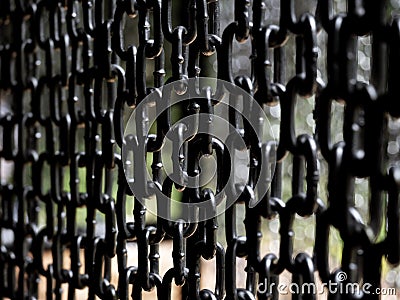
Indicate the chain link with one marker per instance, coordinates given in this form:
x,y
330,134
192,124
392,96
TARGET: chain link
x,y
68,79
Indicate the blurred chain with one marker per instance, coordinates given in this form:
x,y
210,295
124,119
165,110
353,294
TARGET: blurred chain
x,y
69,77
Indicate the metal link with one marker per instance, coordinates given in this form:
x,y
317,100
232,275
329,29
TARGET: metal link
x,y
68,81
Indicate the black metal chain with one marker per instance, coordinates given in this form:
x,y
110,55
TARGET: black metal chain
x,y
68,79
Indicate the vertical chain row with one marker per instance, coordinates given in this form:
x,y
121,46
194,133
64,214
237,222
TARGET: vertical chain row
x,y
362,153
